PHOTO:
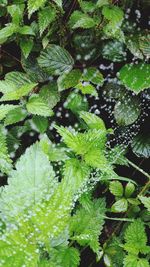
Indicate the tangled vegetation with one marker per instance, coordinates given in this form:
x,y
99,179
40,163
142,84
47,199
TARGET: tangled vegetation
x,y
74,136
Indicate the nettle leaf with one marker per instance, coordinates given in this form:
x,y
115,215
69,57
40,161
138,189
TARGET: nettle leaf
x,y
49,93
58,2
76,103
7,32
135,77
86,88
37,106
87,224
5,161
87,7
141,145
101,3
93,121
114,51
134,47
16,12
120,206
26,46
46,16
28,184
64,257
41,123
133,261
116,188
15,115
127,111
18,93
5,109
18,78
129,189
56,60
26,30
68,80
77,169
146,202
135,238
144,43
34,5
113,13
93,75
81,20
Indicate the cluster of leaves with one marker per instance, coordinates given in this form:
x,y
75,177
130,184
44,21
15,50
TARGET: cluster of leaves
x,y
49,209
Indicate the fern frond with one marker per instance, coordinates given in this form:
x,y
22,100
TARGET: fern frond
x,y
5,161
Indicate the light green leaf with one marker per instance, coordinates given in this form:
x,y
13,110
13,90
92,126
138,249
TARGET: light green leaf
x,y
141,145
76,103
81,20
46,16
26,30
120,206
68,80
87,7
28,184
129,189
127,110
65,257
26,46
144,43
93,121
16,12
101,3
133,261
17,78
58,2
93,75
56,60
34,5
145,201
113,13
86,88
5,109
18,93
5,161
37,106
15,115
116,188
49,93
135,77
7,32
40,123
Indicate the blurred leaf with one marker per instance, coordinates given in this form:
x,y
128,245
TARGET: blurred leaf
x,y
116,188
68,80
141,145
120,206
81,20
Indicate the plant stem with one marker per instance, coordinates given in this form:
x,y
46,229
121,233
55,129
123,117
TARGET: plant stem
x,y
139,169
119,219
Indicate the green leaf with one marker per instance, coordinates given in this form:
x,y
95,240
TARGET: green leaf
x,y
58,2
135,77
141,145
116,188
133,46
15,115
40,123
87,224
49,93
127,111
56,60
68,80
18,93
16,12
81,20
37,106
5,109
129,189
7,32
120,206
86,88
65,257
87,7
144,43
17,78
93,121
135,238
28,184
26,30
34,5
26,46
93,75
145,201
79,170
113,13
5,161
114,51
76,103
46,16
101,3
133,261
